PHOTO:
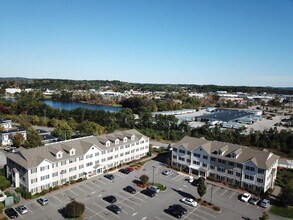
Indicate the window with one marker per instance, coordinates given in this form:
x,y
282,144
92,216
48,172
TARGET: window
x,y
174,149
89,156
80,158
81,166
34,170
222,161
231,163
72,169
259,180
122,154
249,168
196,162
63,162
97,154
248,177
54,174
89,164
205,157
220,169
72,160
204,165
212,167
182,158
110,158
188,153
230,172
196,155
174,157
213,159
45,177
55,183
238,174
34,180
188,160
45,167
260,171
239,165
97,161
181,151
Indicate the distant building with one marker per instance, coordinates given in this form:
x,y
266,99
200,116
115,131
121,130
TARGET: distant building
x,y
12,91
235,164
5,136
6,124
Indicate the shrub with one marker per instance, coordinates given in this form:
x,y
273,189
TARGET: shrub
x,y
2,206
216,208
27,195
144,179
19,190
7,193
56,187
79,180
45,191
4,183
74,209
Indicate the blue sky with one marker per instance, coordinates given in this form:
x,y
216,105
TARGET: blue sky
x,y
235,42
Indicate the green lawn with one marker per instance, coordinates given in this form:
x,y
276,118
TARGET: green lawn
x,y
284,177
281,211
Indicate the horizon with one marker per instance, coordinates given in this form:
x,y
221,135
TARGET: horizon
x,y
227,43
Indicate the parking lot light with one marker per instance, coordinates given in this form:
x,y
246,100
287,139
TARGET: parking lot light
x,y
153,174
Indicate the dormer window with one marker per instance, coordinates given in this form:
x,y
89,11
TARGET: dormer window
x,y
125,139
108,143
72,152
59,155
233,155
220,152
116,141
132,137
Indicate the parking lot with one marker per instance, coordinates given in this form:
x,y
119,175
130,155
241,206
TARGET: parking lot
x,y
139,206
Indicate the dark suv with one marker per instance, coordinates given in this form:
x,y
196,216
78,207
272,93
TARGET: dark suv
x,y
174,212
109,176
148,192
110,199
179,208
130,189
11,213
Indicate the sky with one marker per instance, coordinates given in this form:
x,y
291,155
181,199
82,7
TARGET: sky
x,y
226,42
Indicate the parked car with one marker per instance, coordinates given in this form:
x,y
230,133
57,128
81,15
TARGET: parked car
x,y
109,176
110,199
154,188
189,201
174,212
245,197
114,208
167,172
130,189
254,200
265,203
148,192
43,201
130,168
22,209
190,179
179,208
11,213
125,171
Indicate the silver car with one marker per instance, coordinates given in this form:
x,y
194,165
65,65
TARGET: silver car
x,y
265,203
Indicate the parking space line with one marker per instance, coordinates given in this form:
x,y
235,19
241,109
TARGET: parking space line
x,y
232,195
158,218
102,181
81,189
58,199
198,210
88,187
224,192
175,177
39,205
98,205
20,216
127,205
73,192
191,213
137,197
216,189
96,213
209,187
52,204
30,210
95,185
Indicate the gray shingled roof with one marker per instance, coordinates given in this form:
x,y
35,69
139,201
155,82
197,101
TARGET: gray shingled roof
x,y
32,157
263,159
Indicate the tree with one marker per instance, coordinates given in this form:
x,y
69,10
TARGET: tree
x,y
90,128
287,196
74,209
62,131
144,179
201,188
17,140
33,139
264,216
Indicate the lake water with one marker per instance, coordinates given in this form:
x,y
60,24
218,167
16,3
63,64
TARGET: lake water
x,y
73,105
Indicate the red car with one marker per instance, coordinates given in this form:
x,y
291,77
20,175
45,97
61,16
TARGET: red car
x,y
130,169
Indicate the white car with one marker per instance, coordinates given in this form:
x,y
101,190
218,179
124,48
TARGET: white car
x,y
189,201
265,203
43,201
154,188
245,197
22,209
167,172
190,179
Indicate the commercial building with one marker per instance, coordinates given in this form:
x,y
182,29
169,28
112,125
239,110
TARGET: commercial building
x,y
237,165
54,164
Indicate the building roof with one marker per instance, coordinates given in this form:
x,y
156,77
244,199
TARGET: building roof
x,y
262,159
225,115
32,157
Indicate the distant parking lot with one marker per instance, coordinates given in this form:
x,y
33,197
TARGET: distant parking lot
x,y
139,206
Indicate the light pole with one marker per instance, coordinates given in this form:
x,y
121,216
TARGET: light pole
x,y
153,174
212,194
